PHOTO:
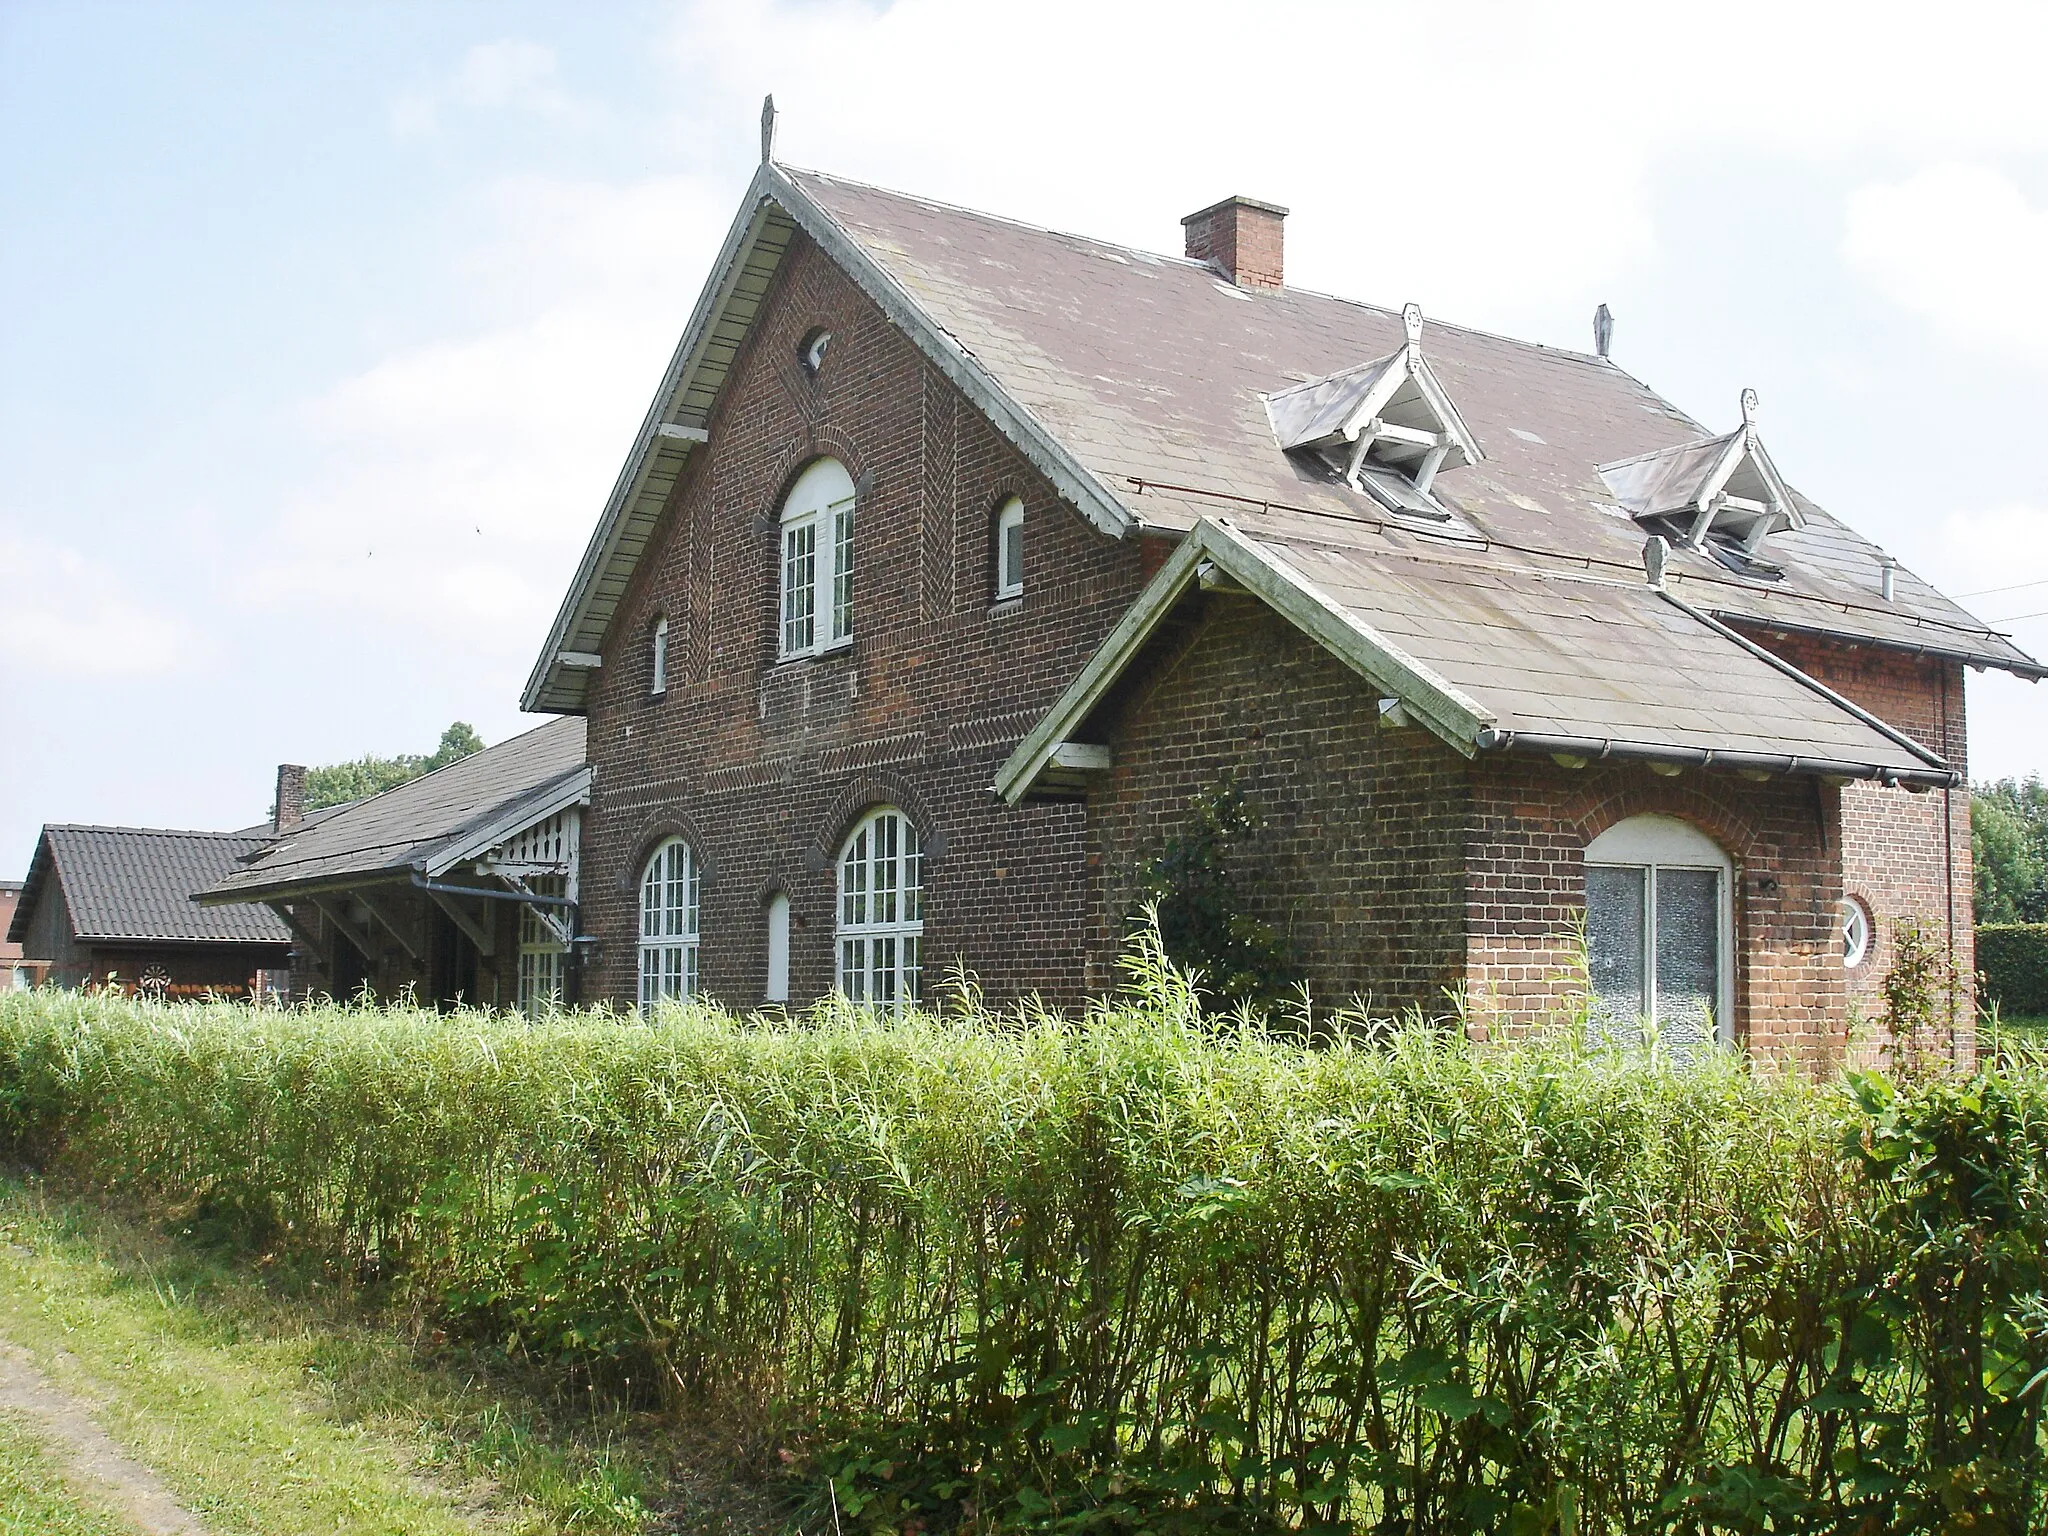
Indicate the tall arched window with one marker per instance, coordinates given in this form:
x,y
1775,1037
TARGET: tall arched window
x,y
668,924
817,561
881,911
1660,933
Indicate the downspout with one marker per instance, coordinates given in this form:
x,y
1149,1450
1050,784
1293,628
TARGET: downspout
x,y
1948,848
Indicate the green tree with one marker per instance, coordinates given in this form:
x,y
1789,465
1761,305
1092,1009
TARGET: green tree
x,y
2009,845
338,783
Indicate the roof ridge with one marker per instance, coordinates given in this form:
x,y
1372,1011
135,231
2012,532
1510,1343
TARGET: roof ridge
x,y
1391,312
91,826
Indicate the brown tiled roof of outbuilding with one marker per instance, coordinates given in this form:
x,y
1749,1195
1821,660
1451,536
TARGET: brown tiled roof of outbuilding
x,y
135,884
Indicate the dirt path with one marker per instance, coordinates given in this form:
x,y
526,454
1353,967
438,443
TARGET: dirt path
x,y
91,1459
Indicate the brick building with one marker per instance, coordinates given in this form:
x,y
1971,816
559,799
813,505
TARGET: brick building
x,y
955,556
112,906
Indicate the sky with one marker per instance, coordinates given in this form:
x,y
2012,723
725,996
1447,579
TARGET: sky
x,y
324,329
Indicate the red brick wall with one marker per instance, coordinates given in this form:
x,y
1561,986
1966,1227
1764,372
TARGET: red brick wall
x,y
1360,858
762,764
1906,855
1531,822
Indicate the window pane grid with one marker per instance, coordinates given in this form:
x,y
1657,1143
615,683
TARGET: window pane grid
x,y
842,571
670,893
881,903
799,585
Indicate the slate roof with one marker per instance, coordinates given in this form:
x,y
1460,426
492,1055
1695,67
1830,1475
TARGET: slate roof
x,y
1137,383
1152,370
421,826
135,884
1484,656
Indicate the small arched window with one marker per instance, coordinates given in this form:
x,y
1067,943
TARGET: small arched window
x,y
881,912
1010,549
1659,933
659,647
668,924
817,561
1855,932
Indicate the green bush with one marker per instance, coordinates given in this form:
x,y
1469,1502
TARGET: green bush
x,y
1147,1272
2013,960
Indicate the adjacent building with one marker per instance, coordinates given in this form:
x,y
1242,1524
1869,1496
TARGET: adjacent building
x,y
458,887
16,969
955,556
113,907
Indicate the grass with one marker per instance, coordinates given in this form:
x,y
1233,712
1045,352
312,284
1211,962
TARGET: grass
x,y
33,1498
280,1408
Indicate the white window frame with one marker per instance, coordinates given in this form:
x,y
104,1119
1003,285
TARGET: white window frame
x,y
671,888
1651,843
1010,576
878,948
660,647
543,957
1858,929
814,612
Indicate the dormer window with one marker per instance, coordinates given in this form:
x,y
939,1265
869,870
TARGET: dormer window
x,y
1720,495
1387,427
659,646
1010,549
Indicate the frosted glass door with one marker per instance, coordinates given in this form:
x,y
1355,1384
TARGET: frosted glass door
x,y
1688,971
1616,949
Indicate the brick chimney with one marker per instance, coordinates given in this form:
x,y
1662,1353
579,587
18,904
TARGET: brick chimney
x,y
1239,237
291,798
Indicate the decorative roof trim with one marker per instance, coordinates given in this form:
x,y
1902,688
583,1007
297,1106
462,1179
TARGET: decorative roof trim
x,y
548,800
679,419
1428,698
1696,508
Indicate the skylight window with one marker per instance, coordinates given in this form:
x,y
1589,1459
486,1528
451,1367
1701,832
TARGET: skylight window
x,y
1720,495
1387,427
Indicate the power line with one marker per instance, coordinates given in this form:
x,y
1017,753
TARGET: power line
x,y
2018,586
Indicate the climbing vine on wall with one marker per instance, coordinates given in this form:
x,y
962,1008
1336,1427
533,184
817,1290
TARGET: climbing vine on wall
x,y
1204,884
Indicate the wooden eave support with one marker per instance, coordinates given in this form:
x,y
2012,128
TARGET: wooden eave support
x,y
376,908
364,944
305,935
481,934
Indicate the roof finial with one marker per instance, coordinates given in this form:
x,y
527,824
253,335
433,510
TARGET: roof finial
x,y
1749,407
767,129
1603,330
1411,318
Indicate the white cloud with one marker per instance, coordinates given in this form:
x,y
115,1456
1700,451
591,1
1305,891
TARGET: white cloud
x,y
510,73
451,484
1961,245
72,618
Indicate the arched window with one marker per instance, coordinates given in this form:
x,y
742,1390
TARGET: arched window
x,y
1659,933
668,924
817,561
1010,549
660,659
881,911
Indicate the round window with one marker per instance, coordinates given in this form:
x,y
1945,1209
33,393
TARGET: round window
x,y
1855,933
